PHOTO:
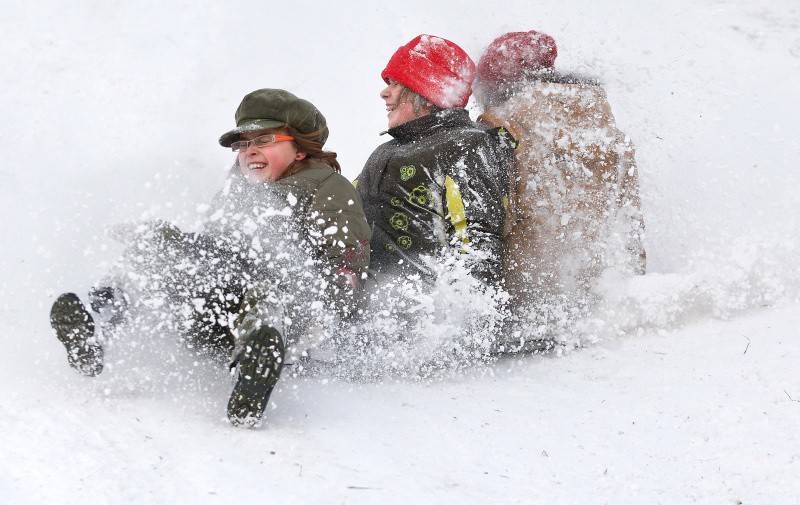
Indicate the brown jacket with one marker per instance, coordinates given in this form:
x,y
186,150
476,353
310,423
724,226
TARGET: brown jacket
x,y
574,196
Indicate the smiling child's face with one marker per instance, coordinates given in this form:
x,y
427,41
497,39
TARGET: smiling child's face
x,y
268,163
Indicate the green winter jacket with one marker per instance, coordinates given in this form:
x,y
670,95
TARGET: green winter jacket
x,y
439,185
287,231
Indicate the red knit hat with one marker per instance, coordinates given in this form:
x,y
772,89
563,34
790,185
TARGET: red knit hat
x,y
435,68
510,55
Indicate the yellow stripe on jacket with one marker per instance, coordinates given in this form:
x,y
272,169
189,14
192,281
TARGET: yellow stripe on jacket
x,y
455,208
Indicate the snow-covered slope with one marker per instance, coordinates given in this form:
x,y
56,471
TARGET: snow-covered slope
x,y
689,392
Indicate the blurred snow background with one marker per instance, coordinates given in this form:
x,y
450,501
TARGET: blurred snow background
x,y
111,111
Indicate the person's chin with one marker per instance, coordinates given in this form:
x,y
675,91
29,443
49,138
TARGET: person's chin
x,y
256,178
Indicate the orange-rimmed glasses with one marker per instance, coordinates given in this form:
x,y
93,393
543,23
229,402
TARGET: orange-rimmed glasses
x,y
260,141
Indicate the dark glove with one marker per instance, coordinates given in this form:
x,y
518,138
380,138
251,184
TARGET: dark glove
x,y
138,234
164,233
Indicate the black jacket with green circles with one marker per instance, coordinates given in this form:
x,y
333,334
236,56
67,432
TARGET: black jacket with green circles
x,y
440,185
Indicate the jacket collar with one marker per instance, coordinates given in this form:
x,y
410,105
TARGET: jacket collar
x,y
425,125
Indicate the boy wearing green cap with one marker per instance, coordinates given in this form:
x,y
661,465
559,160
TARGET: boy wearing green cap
x,y
279,259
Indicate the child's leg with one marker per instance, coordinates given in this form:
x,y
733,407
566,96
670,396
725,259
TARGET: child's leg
x,y
81,327
258,368
209,323
110,303
258,355
261,306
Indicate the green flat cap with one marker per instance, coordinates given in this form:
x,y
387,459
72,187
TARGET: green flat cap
x,y
273,108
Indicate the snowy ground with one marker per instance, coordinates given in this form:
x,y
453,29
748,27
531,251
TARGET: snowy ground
x,y
690,395
708,414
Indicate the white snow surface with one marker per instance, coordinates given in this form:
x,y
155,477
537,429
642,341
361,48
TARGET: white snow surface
x,y
685,388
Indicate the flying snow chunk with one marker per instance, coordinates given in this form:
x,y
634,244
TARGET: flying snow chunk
x,y
199,304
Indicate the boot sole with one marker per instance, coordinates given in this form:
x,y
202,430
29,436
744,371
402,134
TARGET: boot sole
x,y
74,328
258,370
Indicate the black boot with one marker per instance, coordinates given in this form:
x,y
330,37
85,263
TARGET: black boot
x,y
257,370
74,327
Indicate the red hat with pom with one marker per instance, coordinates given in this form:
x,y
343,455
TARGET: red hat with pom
x,y
435,68
509,56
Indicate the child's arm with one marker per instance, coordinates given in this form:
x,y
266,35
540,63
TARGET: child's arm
x,y
338,227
